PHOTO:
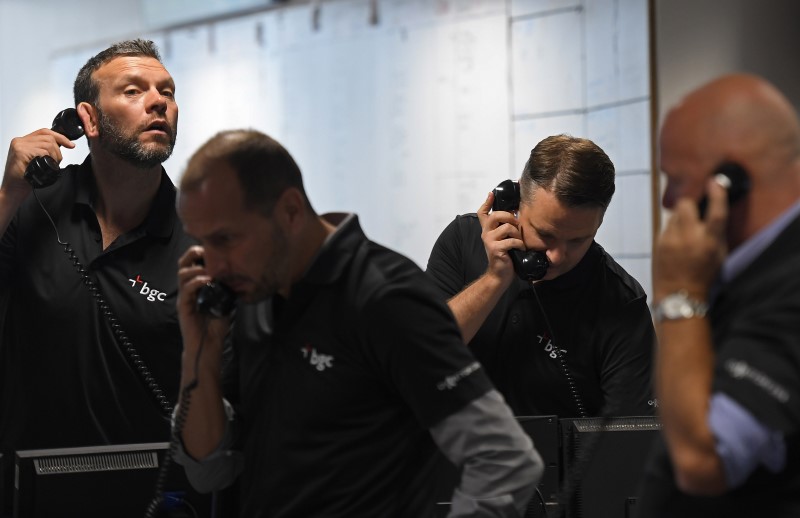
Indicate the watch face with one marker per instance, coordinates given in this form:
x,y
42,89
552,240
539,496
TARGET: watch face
x,y
678,306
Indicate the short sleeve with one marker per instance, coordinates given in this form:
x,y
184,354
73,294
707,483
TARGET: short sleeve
x,y
758,364
446,264
7,247
416,342
627,362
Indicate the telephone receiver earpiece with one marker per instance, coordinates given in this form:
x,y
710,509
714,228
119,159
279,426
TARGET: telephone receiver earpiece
x,y
506,196
530,265
43,171
215,298
734,178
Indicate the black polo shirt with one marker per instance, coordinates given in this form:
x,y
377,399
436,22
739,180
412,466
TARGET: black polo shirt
x,y
339,383
64,381
596,314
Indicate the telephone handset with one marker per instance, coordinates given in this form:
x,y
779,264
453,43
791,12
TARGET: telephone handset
x,y
43,171
734,178
530,265
215,298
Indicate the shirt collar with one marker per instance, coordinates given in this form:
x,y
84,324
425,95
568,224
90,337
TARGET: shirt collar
x,y
160,220
337,250
747,252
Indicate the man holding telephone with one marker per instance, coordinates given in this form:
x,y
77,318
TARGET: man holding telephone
x,y
574,337
66,378
346,373
727,304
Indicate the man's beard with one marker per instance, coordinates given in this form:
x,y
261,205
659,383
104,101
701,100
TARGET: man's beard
x,y
128,147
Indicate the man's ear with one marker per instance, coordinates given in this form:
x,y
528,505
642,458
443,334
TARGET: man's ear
x,y
88,115
290,209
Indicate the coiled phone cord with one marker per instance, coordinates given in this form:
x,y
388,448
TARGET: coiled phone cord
x,y
572,478
573,388
133,355
177,429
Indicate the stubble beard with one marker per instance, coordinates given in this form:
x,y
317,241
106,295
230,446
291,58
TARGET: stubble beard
x,y
277,268
127,146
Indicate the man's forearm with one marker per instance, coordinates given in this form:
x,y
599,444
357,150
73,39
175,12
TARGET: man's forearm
x,y
219,469
203,409
473,304
9,204
683,383
500,467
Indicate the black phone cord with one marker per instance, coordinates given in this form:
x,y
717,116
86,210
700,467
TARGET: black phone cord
x,y
573,388
177,429
133,355
566,495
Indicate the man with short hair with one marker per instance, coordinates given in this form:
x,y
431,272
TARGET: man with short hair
x,y
727,301
578,341
346,371
75,371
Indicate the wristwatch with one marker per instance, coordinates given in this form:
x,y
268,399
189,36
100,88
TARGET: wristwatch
x,y
678,306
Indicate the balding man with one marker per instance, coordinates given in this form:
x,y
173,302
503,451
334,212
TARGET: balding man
x,y
727,292
345,373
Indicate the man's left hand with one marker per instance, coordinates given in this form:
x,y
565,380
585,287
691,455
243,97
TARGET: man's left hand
x,y
691,250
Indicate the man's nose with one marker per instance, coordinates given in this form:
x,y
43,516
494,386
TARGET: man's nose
x,y
156,101
667,200
669,197
556,254
216,264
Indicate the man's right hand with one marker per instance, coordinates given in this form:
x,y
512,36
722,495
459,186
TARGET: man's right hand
x,y
205,416
197,328
500,233
15,189
43,142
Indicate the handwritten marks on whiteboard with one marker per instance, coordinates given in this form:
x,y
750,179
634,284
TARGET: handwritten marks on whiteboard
x,y
414,119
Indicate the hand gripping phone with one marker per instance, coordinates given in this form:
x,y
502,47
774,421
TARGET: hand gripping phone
x,y
215,299
734,178
530,265
43,171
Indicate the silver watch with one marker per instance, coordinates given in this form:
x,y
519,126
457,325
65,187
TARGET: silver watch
x,y
678,306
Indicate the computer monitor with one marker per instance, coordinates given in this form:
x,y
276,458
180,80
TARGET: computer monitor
x,y
543,430
101,481
603,463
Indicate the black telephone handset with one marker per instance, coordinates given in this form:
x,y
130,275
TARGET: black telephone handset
x,y
215,299
43,171
734,178
530,265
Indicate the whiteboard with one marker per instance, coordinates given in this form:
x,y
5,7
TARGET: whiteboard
x,y
410,114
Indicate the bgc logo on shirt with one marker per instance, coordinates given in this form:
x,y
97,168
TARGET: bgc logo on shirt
x,y
146,291
317,360
549,346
